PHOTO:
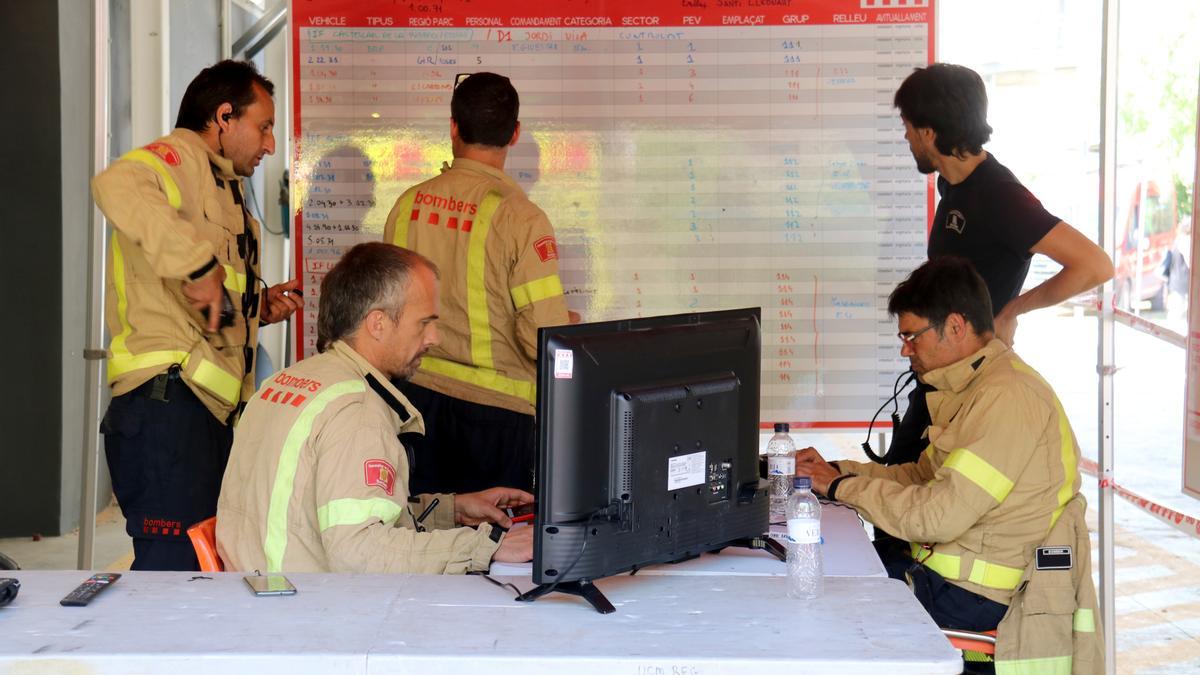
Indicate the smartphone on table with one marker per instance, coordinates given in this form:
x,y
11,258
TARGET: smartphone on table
x,y
270,584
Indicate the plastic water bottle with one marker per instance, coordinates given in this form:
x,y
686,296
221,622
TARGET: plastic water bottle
x,y
805,567
781,468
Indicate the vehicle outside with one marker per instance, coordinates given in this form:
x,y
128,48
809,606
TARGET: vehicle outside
x,y
1151,225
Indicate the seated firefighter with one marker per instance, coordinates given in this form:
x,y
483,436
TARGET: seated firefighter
x,y
992,506
318,475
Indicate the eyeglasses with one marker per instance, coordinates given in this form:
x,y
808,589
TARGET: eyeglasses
x,y
910,338
458,79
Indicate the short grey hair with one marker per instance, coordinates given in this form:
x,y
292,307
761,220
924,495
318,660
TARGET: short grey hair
x,y
369,276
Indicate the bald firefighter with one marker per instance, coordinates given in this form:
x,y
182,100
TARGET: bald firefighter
x,y
500,283
184,305
993,504
318,477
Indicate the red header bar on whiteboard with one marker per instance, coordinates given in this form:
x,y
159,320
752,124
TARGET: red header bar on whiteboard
x,y
647,14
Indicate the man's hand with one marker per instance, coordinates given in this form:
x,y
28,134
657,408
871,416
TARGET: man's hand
x,y
516,546
280,301
1006,325
207,291
473,508
810,463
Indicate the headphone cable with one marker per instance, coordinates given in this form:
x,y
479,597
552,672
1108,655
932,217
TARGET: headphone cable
x,y
897,389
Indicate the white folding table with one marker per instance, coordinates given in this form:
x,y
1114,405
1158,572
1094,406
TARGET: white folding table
x,y
166,622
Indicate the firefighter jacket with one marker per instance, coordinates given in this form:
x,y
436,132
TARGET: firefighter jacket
x,y
1050,627
177,213
317,480
1000,467
499,278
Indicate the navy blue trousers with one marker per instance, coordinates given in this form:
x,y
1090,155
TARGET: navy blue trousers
x,y
166,458
467,447
950,606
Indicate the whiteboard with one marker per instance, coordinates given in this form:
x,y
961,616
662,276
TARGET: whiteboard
x,y
692,155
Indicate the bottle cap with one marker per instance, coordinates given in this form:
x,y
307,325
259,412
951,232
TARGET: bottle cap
x,y
802,482
781,427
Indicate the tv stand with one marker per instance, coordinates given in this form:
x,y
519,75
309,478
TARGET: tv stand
x,y
583,588
763,543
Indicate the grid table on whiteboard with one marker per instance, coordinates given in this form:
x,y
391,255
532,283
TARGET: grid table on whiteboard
x,y
687,164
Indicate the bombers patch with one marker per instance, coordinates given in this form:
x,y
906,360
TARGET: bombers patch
x,y
546,248
166,152
379,473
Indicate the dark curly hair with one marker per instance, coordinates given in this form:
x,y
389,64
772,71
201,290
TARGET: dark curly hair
x,y
952,101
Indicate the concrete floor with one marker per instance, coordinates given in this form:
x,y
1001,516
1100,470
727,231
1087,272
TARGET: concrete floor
x,y
112,550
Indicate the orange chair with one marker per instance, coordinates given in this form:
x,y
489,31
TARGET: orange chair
x,y
974,646
204,539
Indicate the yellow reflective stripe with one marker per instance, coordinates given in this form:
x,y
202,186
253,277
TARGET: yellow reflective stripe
x,y
1066,448
403,217
117,346
234,280
943,563
355,511
217,380
1053,665
123,361
143,156
275,543
1084,621
477,300
982,572
483,378
127,363
991,575
538,289
979,472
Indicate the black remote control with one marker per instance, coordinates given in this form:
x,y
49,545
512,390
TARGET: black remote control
x,y
84,592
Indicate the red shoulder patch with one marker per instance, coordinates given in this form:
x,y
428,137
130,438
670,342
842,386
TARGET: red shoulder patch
x,y
546,249
381,474
166,152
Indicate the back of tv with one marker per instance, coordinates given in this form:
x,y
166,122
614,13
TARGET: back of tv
x,y
678,485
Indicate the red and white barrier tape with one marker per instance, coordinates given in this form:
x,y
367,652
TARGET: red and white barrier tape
x,y
1184,523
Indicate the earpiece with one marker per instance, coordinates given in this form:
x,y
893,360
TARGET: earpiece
x,y
226,116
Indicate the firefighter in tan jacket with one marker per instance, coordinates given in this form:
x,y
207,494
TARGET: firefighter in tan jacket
x,y
500,283
318,476
184,306
998,474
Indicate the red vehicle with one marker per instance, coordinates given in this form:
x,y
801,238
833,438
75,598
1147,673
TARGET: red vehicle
x,y
1151,224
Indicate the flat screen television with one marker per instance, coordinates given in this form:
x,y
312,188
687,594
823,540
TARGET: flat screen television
x,y
647,442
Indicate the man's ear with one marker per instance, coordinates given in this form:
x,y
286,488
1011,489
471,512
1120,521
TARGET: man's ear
x,y
956,325
373,324
222,116
516,134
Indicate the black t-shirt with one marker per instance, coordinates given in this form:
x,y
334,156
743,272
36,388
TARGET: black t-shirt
x,y
993,221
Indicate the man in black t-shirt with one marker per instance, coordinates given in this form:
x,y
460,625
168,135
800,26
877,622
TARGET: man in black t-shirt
x,y
985,215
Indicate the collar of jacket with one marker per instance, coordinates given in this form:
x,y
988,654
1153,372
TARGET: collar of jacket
x,y
223,166
480,167
958,375
408,418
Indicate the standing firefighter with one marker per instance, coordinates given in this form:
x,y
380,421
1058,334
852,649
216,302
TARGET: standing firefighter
x,y
184,305
500,283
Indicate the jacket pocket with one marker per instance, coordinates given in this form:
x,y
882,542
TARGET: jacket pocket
x,y
1039,623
